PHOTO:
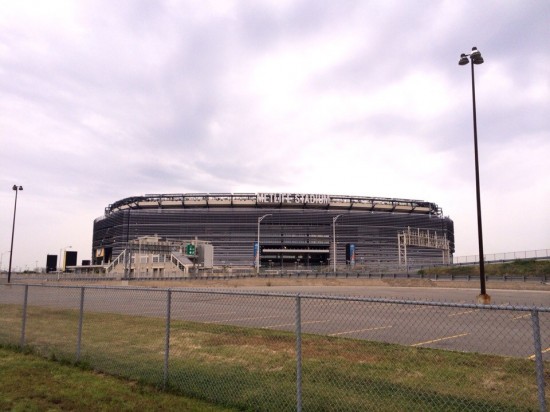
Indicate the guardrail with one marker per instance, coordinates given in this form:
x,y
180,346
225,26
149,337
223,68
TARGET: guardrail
x,y
280,351
285,274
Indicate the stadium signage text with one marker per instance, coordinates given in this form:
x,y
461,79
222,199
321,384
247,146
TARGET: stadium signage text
x,y
292,198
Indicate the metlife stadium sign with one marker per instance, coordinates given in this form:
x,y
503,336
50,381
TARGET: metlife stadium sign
x,y
293,198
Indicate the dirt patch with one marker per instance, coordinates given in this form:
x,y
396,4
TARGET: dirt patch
x,y
418,283
263,283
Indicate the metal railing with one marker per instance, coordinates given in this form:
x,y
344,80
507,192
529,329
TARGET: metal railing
x,y
280,351
278,274
504,257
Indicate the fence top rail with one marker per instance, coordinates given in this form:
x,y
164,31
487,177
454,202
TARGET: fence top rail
x,y
521,308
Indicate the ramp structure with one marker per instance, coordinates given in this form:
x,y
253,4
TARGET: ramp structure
x,y
422,239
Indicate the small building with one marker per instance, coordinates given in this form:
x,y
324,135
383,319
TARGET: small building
x,y
153,257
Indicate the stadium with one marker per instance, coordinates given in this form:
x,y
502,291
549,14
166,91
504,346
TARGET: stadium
x,y
283,230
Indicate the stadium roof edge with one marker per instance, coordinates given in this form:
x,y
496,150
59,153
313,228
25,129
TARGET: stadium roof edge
x,y
286,200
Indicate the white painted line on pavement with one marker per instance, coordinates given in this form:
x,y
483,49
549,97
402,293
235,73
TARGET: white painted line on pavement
x,y
521,316
292,324
532,357
440,339
360,330
205,314
462,313
251,318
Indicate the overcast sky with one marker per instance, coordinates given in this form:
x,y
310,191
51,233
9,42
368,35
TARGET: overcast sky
x,y
101,100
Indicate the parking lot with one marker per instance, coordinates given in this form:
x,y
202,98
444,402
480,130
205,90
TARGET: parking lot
x,y
444,318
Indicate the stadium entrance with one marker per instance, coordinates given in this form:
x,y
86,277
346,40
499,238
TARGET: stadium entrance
x,y
294,255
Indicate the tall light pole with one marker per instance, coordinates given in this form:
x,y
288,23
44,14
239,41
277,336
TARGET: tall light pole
x,y
475,58
17,189
334,219
260,218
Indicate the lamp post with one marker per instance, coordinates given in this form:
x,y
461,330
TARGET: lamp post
x,y
334,219
260,218
475,58
17,189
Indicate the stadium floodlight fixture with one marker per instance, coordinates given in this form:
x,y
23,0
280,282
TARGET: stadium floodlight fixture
x,y
474,58
17,189
260,218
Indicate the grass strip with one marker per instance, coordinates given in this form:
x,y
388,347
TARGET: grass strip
x,y
32,383
523,267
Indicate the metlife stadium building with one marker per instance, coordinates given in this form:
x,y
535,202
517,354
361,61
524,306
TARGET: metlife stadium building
x,y
294,230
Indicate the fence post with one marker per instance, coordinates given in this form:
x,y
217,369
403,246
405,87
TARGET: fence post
x,y
24,320
298,354
80,318
167,337
538,359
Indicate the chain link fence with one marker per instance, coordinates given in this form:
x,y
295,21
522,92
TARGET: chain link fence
x,y
285,352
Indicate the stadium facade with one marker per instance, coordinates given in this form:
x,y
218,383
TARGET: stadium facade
x,y
296,230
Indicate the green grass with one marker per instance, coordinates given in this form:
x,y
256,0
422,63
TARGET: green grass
x,y
516,268
254,369
31,383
